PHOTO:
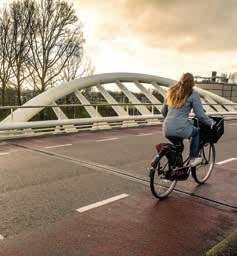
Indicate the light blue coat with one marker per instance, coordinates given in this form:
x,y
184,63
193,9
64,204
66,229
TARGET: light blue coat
x,y
176,121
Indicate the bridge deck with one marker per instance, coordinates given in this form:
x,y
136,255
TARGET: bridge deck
x,y
44,180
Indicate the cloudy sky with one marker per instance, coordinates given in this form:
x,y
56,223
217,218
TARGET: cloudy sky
x,y
161,37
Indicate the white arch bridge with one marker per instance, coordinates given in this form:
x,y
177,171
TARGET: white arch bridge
x,y
142,110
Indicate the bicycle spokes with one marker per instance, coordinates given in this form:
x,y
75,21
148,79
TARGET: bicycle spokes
x,y
206,156
159,184
202,172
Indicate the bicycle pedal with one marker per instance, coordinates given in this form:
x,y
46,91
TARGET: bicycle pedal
x,y
177,168
198,165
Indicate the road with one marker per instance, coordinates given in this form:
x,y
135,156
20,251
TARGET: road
x,y
44,180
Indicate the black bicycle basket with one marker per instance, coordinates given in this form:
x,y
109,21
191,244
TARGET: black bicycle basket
x,y
211,135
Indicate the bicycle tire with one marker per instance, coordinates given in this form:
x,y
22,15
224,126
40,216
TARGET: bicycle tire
x,y
156,174
199,173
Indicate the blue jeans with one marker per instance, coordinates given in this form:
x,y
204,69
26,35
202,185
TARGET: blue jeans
x,y
194,145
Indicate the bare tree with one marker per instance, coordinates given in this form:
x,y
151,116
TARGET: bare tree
x,y
71,67
41,42
5,53
86,68
77,67
56,36
22,13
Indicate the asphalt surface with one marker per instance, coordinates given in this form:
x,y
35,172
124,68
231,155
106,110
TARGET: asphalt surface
x,y
44,180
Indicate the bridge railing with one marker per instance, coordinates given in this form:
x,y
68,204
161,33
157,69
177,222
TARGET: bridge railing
x,y
126,106
132,119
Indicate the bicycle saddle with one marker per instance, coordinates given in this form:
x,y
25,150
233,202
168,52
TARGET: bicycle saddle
x,y
177,141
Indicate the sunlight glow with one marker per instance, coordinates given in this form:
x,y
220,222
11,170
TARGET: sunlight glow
x,y
113,45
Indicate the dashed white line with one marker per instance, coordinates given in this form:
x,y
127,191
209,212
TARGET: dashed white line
x,y
4,153
1,237
107,139
59,146
144,134
98,204
227,161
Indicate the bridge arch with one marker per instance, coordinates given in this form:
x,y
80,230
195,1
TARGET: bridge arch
x,y
159,83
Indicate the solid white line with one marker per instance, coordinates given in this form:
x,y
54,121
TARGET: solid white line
x,y
107,139
98,204
144,134
3,154
232,124
59,146
227,160
1,237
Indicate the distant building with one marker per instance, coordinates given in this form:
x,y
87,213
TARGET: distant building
x,y
233,78
221,85
214,78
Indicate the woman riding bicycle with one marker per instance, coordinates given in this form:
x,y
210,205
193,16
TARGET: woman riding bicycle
x,y
181,99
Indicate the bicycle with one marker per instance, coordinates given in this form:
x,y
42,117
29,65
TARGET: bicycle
x,y
168,166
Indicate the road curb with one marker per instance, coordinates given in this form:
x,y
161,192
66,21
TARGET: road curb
x,y
63,133
227,247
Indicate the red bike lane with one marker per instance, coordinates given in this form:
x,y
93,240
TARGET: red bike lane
x,y
139,224
136,225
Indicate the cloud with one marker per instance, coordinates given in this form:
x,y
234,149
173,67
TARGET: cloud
x,y
184,25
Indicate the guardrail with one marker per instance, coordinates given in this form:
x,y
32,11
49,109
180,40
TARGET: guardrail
x,y
132,119
125,105
106,104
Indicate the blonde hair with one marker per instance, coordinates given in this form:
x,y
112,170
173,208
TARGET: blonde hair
x,y
177,95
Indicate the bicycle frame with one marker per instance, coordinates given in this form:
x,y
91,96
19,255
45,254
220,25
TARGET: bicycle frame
x,y
167,167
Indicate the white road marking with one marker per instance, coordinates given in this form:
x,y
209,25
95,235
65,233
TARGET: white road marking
x,y
144,134
59,146
98,204
107,139
1,237
4,153
227,161
232,124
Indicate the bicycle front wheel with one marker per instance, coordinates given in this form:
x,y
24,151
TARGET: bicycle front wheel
x,y
202,172
160,186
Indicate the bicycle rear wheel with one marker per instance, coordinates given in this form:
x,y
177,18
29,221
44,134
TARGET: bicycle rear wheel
x,y
202,172
160,186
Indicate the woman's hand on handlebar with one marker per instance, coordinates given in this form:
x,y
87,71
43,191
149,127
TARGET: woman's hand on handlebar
x,y
212,123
